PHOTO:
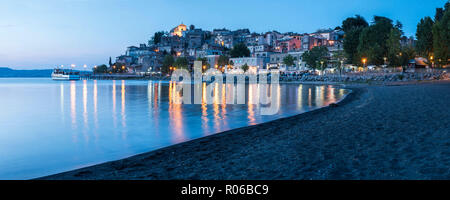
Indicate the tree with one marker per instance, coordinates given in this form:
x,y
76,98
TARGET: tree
x,y
223,60
338,60
354,22
351,43
424,35
181,63
394,47
167,63
110,62
399,27
240,50
441,39
204,63
100,69
244,67
406,54
289,60
372,41
156,39
353,26
315,56
439,14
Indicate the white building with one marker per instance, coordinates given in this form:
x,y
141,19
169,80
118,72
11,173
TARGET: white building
x,y
277,61
254,63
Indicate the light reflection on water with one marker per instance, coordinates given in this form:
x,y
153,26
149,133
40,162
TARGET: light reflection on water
x,y
50,127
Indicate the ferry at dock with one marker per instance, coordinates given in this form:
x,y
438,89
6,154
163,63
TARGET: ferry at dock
x,y
65,75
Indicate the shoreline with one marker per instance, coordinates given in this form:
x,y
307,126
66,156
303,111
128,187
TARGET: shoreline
x,y
319,144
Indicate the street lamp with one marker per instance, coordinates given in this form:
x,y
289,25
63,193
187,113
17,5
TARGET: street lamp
x,y
432,62
364,60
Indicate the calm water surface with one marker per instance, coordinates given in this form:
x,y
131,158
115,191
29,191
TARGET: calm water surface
x,y
48,127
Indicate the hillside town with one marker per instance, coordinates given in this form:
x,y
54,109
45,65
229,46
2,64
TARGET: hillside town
x,y
182,45
266,51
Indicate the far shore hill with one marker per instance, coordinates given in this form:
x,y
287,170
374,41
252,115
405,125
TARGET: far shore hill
x,y
8,72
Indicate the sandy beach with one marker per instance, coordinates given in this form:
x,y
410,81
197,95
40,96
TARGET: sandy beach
x,y
378,132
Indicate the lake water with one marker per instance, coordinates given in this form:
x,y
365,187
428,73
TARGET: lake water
x,y
48,127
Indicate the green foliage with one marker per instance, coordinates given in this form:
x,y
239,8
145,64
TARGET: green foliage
x,y
181,63
223,60
406,54
110,62
100,69
338,58
156,39
424,35
353,26
315,56
240,50
372,41
354,22
204,61
439,14
167,63
351,43
289,60
394,47
441,38
244,67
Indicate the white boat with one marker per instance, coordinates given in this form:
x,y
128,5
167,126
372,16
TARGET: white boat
x,y
65,75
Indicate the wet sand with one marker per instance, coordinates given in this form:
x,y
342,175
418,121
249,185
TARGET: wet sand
x,y
378,132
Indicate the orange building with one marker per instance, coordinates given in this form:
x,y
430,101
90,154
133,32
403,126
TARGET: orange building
x,y
178,31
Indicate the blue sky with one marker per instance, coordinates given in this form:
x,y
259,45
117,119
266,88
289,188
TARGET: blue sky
x,y
46,33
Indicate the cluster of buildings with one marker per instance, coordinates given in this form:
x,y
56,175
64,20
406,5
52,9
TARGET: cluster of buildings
x,y
267,50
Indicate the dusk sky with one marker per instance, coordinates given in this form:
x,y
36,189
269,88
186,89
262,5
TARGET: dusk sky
x,y
48,33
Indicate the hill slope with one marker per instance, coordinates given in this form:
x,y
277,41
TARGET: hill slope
x,y
7,72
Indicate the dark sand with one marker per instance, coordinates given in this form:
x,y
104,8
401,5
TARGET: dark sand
x,y
377,132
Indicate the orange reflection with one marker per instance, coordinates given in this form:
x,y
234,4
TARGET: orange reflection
x,y
224,107
330,97
251,112
216,103
204,109
175,114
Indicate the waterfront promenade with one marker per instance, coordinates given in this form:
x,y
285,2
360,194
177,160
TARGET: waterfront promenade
x,y
378,132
